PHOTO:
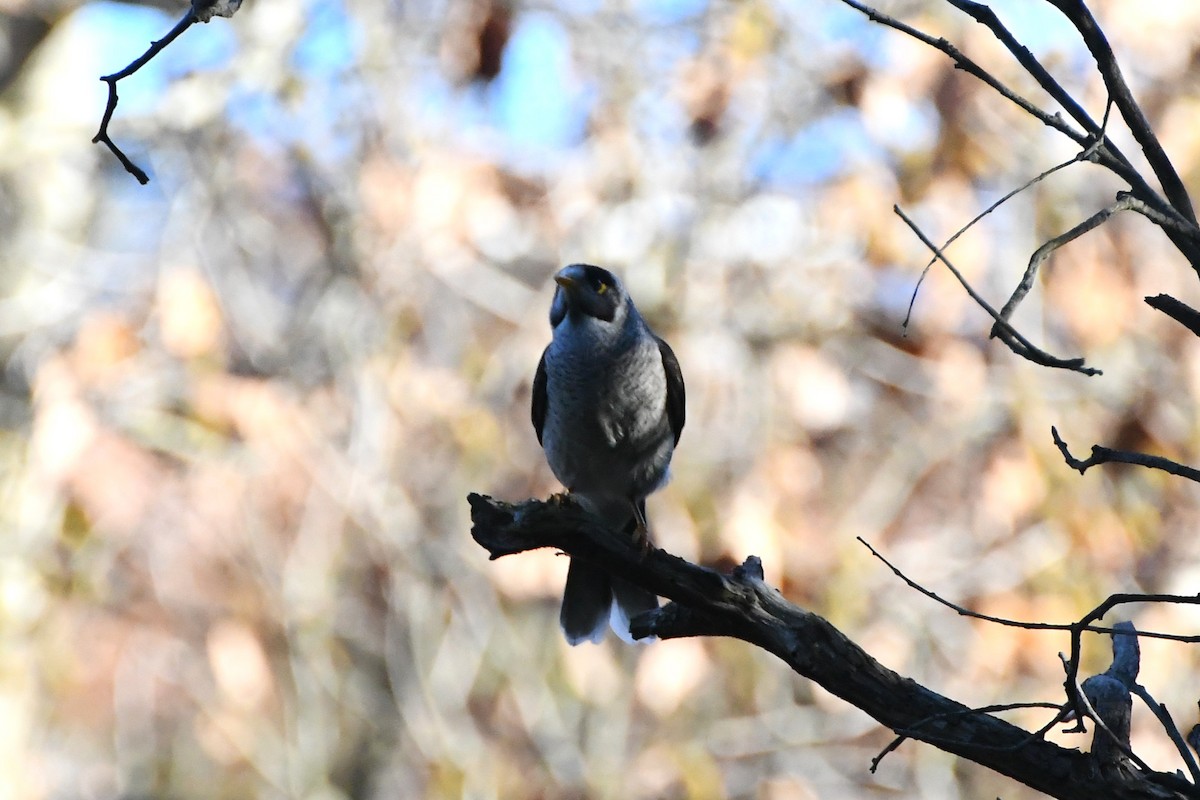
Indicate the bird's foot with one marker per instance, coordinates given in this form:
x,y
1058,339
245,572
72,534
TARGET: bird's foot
x,y
641,539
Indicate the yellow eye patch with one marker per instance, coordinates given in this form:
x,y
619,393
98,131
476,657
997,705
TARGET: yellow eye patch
x,y
602,288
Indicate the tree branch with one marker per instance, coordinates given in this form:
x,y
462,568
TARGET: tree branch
x,y
156,47
1084,625
200,11
1123,202
1177,310
1082,155
1106,62
1002,330
742,606
962,62
1106,153
1106,455
1167,721
1177,207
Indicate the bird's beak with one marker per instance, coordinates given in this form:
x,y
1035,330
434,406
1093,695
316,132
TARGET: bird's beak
x,y
567,283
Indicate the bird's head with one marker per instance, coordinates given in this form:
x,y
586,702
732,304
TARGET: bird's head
x,y
585,290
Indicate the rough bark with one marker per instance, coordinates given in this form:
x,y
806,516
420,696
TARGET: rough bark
x,y
743,606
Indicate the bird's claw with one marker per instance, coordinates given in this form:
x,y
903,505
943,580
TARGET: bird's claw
x,y
641,540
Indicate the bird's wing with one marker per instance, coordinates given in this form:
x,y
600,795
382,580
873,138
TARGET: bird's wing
x,y
538,409
675,394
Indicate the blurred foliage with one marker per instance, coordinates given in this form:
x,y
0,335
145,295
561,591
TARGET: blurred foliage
x,y
242,406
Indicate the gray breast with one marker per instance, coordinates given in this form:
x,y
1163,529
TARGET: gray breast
x,y
606,428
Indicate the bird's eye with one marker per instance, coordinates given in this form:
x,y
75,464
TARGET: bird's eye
x,y
601,287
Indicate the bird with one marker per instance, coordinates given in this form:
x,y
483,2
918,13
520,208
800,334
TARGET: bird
x,y
608,408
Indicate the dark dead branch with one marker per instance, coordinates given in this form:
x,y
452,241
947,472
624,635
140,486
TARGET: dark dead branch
x,y
1177,310
1107,455
200,11
1106,62
742,606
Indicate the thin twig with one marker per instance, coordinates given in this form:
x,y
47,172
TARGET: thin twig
x,y
1106,455
1082,155
964,63
1002,329
1085,708
960,610
157,47
1107,153
1106,62
1044,252
1125,598
1082,626
1075,697
906,733
985,16
1168,723
1071,683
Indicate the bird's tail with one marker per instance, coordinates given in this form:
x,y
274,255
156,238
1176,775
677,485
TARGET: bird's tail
x,y
592,597
587,600
628,602
593,600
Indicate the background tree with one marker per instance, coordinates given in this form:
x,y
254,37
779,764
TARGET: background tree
x,y
244,403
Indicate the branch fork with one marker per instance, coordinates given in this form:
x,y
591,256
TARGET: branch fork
x,y
743,606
